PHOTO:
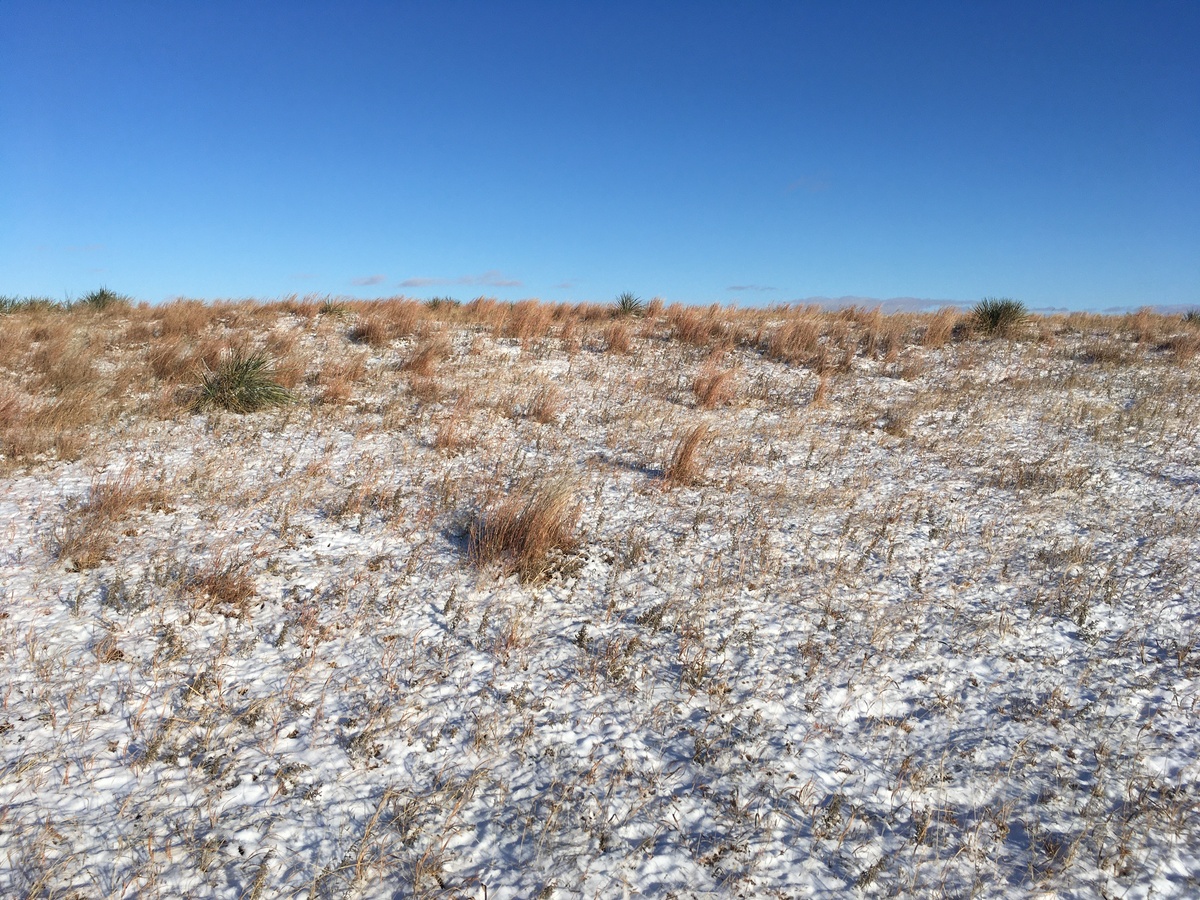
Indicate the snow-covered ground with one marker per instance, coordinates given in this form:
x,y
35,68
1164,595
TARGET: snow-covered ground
x,y
933,636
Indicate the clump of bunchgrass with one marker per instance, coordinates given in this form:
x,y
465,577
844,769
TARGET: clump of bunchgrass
x,y
616,338
684,466
628,304
999,316
242,383
714,387
530,531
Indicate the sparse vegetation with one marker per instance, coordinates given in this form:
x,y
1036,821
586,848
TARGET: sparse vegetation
x,y
851,601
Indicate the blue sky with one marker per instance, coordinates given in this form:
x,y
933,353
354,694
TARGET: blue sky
x,y
704,152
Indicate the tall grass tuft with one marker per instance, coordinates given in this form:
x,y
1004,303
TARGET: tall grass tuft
x,y
242,383
529,531
684,465
999,316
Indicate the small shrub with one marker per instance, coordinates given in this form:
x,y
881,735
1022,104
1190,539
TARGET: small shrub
x,y
530,531
1191,317
242,383
684,466
628,304
999,316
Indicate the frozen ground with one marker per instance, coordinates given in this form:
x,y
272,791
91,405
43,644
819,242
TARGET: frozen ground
x,y
933,636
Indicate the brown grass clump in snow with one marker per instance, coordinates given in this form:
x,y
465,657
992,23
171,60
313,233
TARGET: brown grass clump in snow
x,y
428,356
684,465
714,387
372,331
529,531
796,342
223,585
616,338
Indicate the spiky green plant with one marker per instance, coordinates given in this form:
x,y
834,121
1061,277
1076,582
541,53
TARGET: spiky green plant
x,y
104,299
628,304
1192,317
999,316
9,304
242,383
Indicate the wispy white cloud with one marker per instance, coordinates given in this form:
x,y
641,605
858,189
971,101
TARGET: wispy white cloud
x,y
564,285
490,278
368,280
742,288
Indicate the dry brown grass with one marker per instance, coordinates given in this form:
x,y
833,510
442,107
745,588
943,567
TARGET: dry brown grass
x,y
698,328
428,356
939,327
372,331
797,341
684,466
185,318
545,405
1185,346
530,531
821,393
223,584
337,379
58,426
527,320
88,533
452,435
171,360
616,338
714,387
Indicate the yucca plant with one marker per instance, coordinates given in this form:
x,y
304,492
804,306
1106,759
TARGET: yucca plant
x,y
999,316
103,299
628,304
1192,317
242,383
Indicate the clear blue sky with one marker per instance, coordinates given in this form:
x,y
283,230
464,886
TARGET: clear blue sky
x,y
704,152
